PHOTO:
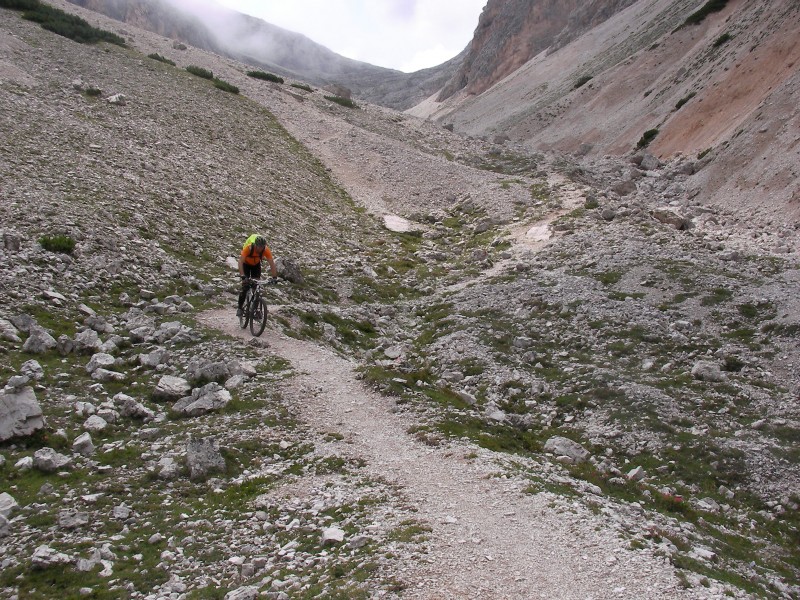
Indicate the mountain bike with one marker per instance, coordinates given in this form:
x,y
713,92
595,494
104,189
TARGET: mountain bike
x,y
254,309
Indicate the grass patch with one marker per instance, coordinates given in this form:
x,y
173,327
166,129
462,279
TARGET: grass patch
x,y
410,532
582,81
608,277
700,14
724,38
265,76
717,296
57,243
346,102
200,72
62,23
225,86
647,137
684,100
302,86
159,58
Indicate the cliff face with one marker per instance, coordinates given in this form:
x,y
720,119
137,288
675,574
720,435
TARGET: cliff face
x,y
725,89
511,32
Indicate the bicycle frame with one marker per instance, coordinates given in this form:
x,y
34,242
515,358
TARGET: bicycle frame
x,y
254,309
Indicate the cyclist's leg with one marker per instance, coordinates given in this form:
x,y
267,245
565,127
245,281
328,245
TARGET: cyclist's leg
x,y
249,271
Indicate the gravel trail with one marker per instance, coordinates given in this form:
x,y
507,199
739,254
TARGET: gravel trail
x,y
488,538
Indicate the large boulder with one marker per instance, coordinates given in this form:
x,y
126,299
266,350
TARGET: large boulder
x,y
201,371
170,388
20,413
705,370
672,218
565,447
203,400
289,270
8,332
204,457
39,341
48,460
7,504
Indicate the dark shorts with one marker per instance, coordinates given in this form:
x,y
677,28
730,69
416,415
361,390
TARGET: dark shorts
x,y
252,271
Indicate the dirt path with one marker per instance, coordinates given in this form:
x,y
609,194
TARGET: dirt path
x,y
488,540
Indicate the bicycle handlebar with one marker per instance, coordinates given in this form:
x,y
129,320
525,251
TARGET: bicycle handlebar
x,y
262,282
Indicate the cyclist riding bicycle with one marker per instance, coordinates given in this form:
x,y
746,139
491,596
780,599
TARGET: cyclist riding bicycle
x,y
253,252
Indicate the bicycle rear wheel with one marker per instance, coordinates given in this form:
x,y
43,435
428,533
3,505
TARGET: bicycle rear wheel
x,y
258,317
244,317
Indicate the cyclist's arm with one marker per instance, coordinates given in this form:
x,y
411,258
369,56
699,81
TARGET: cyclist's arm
x,y
241,266
273,270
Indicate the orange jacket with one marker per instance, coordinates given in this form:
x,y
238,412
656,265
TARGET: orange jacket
x,y
251,255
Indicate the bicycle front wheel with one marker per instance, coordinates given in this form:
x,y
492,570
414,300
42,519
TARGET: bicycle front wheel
x,y
258,317
244,317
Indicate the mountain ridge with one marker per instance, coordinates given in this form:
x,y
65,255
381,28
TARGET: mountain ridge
x,y
699,87
264,45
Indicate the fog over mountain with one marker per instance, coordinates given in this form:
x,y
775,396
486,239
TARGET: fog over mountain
x,y
209,26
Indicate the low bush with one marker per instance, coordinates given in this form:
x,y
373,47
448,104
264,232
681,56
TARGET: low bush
x,y
160,58
20,4
725,37
200,72
57,243
582,81
225,86
684,100
302,86
265,76
62,23
346,102
93,92
647,137
701,13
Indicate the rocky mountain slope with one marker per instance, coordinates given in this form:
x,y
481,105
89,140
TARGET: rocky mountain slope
x,y
209,26
510,33
564,378
724,85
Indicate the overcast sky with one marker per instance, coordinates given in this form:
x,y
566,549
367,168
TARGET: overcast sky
x,y
407,35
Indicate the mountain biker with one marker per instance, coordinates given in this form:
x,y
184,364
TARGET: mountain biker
x,y
253,252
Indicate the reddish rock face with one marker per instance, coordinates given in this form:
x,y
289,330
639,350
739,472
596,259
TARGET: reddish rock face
x,y
511,32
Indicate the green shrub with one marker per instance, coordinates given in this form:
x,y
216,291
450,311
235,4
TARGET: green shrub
x,y
582,81
160,58
62,23
200,72
57,243
708,8
591,203
93,91
265,76
703,153
302,86
684,100
225,86
342,101
725,37
20,4
647,137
